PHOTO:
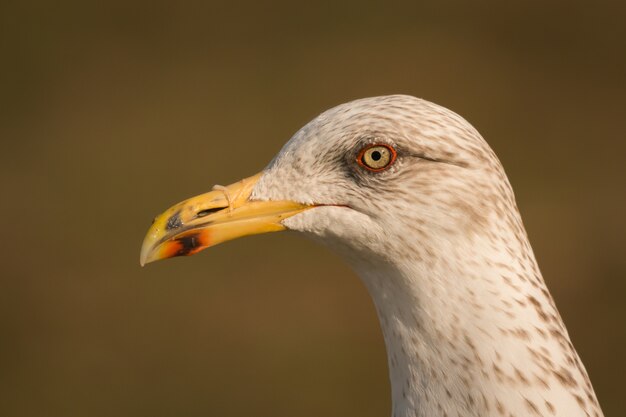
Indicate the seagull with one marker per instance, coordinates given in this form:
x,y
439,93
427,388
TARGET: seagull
x,y
412,197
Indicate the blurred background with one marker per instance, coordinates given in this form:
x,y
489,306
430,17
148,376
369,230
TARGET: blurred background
x,y
112,111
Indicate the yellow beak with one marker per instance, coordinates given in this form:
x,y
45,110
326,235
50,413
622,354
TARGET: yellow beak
x,y
223,214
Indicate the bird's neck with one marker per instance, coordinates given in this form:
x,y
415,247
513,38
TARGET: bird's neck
x,y
478,337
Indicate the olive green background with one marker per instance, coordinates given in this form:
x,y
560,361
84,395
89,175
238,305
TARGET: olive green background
x,y
112,111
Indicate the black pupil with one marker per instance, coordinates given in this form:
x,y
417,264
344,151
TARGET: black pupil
x,y
376,155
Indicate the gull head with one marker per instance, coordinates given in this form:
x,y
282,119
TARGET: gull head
x,y
383,177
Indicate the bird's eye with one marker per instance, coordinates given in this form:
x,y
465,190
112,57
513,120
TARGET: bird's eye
x,y
376,157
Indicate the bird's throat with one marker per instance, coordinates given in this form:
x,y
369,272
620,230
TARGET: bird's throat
x,y
428,368
474,344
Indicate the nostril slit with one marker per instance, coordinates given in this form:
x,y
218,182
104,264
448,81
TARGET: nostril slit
x,y
206,212
174,222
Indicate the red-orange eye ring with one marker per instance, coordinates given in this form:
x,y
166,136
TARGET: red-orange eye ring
x,y
376,157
